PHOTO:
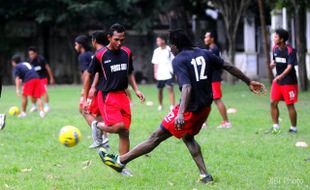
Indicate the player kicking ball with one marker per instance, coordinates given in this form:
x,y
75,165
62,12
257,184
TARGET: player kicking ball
x,y
284,86
192,67
32,86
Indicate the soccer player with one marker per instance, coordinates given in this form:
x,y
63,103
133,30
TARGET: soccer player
x,y
163,72
284,86
115,68
192,67
43,69
32,85
210,42
85,57
2,116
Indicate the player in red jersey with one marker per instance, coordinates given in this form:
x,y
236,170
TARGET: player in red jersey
x,y
32,86
284,86
192,67
115,68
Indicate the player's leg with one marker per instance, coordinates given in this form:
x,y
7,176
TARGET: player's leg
x,y
222,109
274,110
34,105
293,117
124,142
160,87
275,97
195,150
171,93
24,106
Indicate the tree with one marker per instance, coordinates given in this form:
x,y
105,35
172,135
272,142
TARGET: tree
x,y
265,39
232,12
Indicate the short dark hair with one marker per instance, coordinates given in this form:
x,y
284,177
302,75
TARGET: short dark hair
x,y
83,41
33,48
282,34
163,37
180,39
16,58
213,35
100,37
116,28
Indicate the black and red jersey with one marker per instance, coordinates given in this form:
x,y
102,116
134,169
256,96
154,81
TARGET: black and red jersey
x,y
39,64
113,68
282,58
217,74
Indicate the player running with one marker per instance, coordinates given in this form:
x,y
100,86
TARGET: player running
x,y
32,86
284,86
41,66
115,68
92,114
192,67
210,42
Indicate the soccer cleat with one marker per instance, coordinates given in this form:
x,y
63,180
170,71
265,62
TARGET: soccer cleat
x,y
206,179
94,145
33,109
2,121
292,131
273,131
46,108
224,125
104,144
42,114
126,172
22,115
160,108
96,133
110,160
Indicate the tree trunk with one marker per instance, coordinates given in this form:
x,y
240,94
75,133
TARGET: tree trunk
x,y
231,56
300,43
265,39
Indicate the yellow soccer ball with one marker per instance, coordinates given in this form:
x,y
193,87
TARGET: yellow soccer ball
x,y
69,136
14,110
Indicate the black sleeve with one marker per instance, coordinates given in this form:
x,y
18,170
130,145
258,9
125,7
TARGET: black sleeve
x,y
94,66
216,62
130,65
181,72
292,59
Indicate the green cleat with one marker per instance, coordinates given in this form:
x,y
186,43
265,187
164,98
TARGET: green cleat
x,y
110,160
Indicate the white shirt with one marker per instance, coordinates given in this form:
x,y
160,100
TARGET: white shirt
x,y
163,58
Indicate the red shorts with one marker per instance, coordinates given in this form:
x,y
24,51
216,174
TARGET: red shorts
x,y
217,90
115,108
288,93
44,81
33,88
193,122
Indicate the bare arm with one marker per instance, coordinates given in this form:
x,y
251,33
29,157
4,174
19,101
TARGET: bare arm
x,y
285,72
155,71
93,90
133,84
185,96
18,85
86,85
50,74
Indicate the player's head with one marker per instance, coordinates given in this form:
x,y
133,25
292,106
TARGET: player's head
x,y
99,37
116,36
161,40
15,60
210,38
32,52
280,36
81,43
179,41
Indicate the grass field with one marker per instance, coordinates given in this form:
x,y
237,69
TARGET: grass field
x,y
239,158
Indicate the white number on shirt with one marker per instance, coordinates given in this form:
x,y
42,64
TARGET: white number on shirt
x,y
199,61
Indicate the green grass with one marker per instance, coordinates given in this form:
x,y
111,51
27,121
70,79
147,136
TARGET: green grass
x,y
239,158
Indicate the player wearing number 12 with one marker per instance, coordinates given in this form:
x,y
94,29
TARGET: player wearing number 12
x,y
192,67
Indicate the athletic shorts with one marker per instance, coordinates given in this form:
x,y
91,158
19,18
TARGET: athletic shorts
x,y
162,83
44,82
288,93
217,90
114,108
92,105
33,88
193,122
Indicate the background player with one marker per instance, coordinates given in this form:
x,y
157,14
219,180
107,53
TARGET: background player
x,y
284,86
210,42
32,86
115,68
192,66
163,72
43,69
2,116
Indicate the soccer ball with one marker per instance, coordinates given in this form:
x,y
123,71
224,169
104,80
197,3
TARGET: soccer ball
x,y
69,136
14,111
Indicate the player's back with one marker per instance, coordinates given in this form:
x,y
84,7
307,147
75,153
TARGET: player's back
x,y
25,71
195,66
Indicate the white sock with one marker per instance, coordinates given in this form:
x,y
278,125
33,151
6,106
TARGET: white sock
x,y
46,105
293,128
276,126
34,105
203,175
119,162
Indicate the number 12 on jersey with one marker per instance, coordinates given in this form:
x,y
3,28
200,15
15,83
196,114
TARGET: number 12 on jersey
x,y
200,74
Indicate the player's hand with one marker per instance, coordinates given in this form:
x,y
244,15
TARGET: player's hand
x,y
179,122
277,78
272,65
258,88
92,92
18,92
140,96
52,81
85,105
